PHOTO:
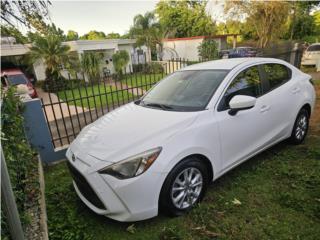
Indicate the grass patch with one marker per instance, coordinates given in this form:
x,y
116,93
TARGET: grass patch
x,y
100,95
278,190
143,81
96,95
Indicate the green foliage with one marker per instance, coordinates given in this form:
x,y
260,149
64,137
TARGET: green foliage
x,y
72,35
311,39
185,18
113,36
147,31
93,35
50,49
19,156
9,31
266,19
90,63
148,68
208,49
17,13
120,60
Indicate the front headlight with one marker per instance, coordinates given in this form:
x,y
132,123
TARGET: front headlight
x,y
133,166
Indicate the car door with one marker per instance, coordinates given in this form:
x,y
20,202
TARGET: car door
x,y
242,135
283,96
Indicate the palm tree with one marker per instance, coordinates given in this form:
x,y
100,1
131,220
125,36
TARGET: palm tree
x,y
50,49
146,30
90,64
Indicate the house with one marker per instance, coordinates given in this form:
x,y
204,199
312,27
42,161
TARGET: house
x,y
187,48
13,53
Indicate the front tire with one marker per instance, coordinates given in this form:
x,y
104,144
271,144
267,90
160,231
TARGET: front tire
x,y
184,187
300,128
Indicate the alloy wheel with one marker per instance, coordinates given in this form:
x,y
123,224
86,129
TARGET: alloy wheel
x,y
186,188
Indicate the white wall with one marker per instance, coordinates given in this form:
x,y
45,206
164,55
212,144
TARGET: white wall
x,y
187,49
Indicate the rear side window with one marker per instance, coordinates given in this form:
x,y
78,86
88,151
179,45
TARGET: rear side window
x,y
314,48
247,82
276,74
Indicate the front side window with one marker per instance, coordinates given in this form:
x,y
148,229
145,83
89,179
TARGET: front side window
x,y
248,83
184,91
276,74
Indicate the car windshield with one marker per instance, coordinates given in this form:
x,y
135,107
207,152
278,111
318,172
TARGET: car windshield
x,y
17,79
184,90
314,48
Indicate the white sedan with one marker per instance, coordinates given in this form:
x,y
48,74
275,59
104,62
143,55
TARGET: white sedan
x,y
311,56
160,152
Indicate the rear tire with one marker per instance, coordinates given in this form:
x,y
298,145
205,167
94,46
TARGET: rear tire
x,y
184,187
300,128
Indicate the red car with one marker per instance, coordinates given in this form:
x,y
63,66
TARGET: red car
x,y
14,76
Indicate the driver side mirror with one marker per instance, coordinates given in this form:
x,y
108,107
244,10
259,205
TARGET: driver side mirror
x,y
241,102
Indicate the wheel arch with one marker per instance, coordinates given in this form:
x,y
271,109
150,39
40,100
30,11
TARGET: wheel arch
x,y
306,106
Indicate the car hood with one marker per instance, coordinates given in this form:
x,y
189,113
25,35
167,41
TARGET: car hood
x,y
129,130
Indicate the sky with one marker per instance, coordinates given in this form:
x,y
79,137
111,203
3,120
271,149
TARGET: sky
x,y
106,16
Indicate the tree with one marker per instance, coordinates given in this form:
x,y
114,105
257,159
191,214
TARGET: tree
x,y
208,49
54,54
301,22
113,35
72,35
147,31
90,63
9,31
185,18
120,59
22,12
266,18
93,35
316,19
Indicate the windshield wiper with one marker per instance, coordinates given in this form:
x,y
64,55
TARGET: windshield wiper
x,y
157,105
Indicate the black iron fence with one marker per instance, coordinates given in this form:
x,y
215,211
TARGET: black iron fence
x,y
71,104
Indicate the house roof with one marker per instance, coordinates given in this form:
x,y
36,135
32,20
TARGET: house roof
x,y
81,45
200,37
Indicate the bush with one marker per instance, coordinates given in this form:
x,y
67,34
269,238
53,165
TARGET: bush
x,y
20,158
120,60
65,84
148,68
208,49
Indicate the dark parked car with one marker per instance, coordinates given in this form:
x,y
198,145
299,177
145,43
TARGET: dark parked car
x,y
14,76
239,52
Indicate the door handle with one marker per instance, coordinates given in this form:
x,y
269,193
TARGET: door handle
x,y
264,108
295,90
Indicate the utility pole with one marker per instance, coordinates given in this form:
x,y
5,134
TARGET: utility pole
x,y
9,205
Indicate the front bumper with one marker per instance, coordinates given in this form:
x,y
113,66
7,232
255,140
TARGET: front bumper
x,y
123,200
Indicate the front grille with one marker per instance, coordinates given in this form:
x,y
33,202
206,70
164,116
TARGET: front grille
x,y
84,187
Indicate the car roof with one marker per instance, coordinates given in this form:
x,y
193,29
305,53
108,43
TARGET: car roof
x,y
229,63
11,71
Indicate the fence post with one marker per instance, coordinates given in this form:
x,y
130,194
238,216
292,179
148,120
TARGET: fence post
x,y
9,204
294,55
